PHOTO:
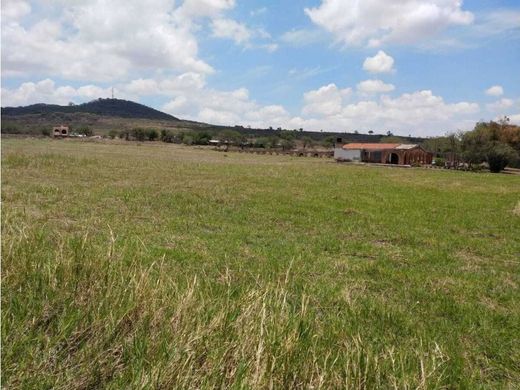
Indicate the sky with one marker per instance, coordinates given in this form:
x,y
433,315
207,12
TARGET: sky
x,y
419,67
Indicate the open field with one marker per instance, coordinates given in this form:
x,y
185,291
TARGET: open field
x,y
135,266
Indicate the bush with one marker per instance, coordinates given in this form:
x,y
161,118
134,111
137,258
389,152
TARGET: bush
x,y
139,134
261,142
86,131
152,135
201,138
167,136
113,134
187,139
499,155
10,129
46,132
439,162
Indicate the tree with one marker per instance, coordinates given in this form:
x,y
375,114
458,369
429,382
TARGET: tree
x,y
370,132
201,138
152,134
113,134
389,133
329,141
262,142
287,144
139,134
230,137
485,144
85,130
499,155
307,142
167,136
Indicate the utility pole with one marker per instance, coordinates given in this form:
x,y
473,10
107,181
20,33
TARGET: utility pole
x,y
112,92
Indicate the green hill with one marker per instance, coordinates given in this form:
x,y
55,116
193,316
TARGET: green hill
x,y
106,107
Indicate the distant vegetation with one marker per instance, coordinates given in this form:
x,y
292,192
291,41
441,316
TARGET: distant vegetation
x,y
496,144
108,107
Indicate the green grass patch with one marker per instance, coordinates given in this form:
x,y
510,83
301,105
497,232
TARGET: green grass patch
x,y
160,266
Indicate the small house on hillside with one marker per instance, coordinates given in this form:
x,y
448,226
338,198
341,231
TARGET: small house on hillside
x,y
60,131
397,154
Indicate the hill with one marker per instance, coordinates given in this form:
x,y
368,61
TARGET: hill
x,y
104,115
106,107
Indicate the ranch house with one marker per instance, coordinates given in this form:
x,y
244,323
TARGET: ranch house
x,y
397,154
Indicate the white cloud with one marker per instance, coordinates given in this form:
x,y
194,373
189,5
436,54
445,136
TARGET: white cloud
x,y
46,91
99,40
241,34
229,28
500,105
324,101
330,108
376,22
380,63
13,10
497,22
374,87
205,8
420,113
515,119
301,37
495,90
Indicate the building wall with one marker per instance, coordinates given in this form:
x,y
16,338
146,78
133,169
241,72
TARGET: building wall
x,y
347,155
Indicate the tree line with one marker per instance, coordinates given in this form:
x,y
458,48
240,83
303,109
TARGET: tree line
x,y
495,144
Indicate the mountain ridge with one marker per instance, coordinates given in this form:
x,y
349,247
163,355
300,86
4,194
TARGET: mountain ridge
x,y
107,107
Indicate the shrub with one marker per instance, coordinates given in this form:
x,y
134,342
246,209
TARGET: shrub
x,y
439,162
85,130
113,134
499,155
152,134
139,134
187,139
167,136
46,131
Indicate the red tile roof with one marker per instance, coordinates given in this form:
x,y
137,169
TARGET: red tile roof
x,y
370,146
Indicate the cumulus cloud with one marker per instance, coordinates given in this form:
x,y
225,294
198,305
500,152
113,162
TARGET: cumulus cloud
x,y
325,101
376,22
420,113
301,37
374,86
226,28
500,105
380,63
99,40
229,28
329,107
13,10
102,40
46,91
495,90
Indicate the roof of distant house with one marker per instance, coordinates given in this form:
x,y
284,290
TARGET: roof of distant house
x,y
354,146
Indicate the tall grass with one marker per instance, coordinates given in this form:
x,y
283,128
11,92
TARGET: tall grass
x,y
165,267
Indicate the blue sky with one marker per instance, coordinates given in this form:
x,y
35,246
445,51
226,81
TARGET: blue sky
x,y
422,67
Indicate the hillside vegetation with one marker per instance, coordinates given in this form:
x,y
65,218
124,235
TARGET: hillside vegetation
x,y
129,265
107,107
114,116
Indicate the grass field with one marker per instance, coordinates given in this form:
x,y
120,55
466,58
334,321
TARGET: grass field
x,y
159,266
